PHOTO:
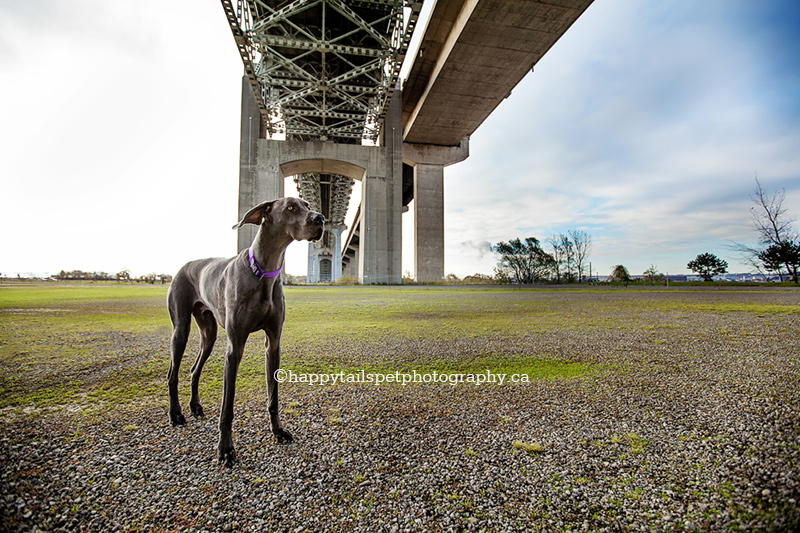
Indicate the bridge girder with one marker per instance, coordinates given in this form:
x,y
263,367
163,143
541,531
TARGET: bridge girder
x,y
322,69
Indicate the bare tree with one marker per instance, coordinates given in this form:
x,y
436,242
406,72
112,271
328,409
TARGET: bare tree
x,y
770,217
749,256
569,254
582,243
559,255
568,250
775,229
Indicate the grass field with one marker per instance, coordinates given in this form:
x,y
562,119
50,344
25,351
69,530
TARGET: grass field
x,y
96,345
646,401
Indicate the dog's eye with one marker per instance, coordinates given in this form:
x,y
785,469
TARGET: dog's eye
x,y
291,208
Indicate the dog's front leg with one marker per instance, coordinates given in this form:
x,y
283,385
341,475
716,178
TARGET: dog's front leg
x,y
233,356
273,363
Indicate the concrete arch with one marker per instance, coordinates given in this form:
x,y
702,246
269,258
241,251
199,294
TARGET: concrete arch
x,y
378,168
322,166
289,158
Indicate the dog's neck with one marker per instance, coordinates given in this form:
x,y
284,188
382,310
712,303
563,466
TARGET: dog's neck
x,y
269,248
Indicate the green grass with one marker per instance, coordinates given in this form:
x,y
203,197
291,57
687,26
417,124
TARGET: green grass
x,y
39,295
365,313
96,345
530,447
741,307
491,367
86,343
85,307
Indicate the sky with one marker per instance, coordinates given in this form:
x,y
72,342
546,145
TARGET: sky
x,y
644,126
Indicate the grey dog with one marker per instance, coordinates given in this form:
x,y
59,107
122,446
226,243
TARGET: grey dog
x,y
244,294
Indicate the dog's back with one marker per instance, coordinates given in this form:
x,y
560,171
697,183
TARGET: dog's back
x,y
198,281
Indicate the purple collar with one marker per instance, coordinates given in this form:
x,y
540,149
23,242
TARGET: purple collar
x,y
256,268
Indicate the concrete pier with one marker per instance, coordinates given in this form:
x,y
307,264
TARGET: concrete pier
x,y
428,163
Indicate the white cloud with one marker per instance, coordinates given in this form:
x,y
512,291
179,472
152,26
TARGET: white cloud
x,y
644,126
122,135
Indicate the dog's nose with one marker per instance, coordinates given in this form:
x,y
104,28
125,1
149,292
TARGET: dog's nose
x,y
317,218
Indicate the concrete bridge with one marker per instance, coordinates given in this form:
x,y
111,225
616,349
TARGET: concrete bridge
x,y
323,102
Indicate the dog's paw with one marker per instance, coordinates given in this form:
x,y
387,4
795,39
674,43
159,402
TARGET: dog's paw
x,y
227,458
177,419
197,410
283,436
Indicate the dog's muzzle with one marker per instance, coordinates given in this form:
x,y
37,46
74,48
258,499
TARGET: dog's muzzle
x,y
317,220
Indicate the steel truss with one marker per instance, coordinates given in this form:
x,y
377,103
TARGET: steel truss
x,y
328,194
323,69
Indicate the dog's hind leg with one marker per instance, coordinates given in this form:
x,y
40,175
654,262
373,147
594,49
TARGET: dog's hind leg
x,y
208,335
181,315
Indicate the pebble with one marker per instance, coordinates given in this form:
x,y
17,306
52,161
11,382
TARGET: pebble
x,y
697,430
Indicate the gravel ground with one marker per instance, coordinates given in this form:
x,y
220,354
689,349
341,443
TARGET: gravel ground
x,y
691,421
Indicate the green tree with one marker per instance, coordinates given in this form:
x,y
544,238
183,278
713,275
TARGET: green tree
x,y
708,265
784,254
652,274
620,273
523,261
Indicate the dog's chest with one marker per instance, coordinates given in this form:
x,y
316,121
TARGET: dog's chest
x,y
268,303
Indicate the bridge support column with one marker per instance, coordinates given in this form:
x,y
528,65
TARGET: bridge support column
x,y
381,248
337,253
264,182
428,222
311,274
258,182
379,260
429,162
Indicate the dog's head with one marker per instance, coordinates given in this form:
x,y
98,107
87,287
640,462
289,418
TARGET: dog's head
x,y
292,215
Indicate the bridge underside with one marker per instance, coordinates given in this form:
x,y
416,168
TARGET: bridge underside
x,y
321,76
472,55
324,173
322,69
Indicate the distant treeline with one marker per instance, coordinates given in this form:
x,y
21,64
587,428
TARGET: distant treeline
x,y
124,276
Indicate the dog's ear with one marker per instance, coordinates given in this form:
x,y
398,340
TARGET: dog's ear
x,y
256,214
